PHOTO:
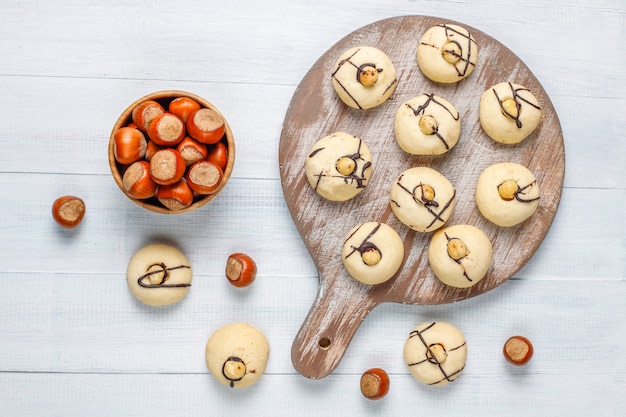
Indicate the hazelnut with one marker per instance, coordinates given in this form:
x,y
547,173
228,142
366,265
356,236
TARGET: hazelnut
x,y
436,353
368,75
68,211
457,249
240,269
428,193
510,108
508,190
518,350
371,256
346,166
451,52
234,369
374,383
428,125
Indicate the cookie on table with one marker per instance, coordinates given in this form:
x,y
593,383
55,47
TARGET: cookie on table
x,y
364,77
435,353
509,112
447,53
460,255
159,274
422,198
427,125
237,354
507,194
372,252
338,166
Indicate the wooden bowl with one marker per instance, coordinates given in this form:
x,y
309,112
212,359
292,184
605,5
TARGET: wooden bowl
x,y
164,98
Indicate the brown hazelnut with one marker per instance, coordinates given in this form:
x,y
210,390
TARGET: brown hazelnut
x,y
518,350
68,211
240,269
374,383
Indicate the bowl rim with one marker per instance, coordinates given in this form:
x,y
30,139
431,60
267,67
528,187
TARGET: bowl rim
x,y
123,120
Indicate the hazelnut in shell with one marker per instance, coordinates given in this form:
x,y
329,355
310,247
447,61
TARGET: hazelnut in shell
x,y
68,211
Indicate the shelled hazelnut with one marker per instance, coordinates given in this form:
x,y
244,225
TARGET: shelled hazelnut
x,y
68,211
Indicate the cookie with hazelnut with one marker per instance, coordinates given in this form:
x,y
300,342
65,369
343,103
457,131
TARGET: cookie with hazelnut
x,y
460,255
509,112
338,166
364,77
507,194
447,53
237,354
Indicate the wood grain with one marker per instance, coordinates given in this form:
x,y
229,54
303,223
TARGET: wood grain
x,y
315,111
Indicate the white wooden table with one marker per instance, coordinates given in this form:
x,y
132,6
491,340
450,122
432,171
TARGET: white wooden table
x,y
73,340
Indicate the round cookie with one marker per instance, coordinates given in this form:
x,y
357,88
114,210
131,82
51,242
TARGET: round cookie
x,y
422,199
435,353
372,252
364,77
237,354
509,112
427,125
447,53
159,274
338,166
507,194
460,255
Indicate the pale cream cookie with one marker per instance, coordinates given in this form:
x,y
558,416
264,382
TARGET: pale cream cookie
x,y
422,199
509,112
159,274
364,77
435,353
507,194
237,355
338,166
427,125
460,255
447,53
372,252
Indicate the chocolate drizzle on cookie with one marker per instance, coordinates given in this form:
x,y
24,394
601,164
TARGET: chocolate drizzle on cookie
x,y
518,100
358,72
520,194
458,261
357,177
365,245
420,111
430,204
227,375
430,358
160,268
466,44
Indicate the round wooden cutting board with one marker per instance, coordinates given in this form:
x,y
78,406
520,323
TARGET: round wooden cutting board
x,y
316,111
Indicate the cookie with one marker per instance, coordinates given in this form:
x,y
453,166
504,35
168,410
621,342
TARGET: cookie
x,y
364,77
237,354
509,112
460,255
158,275
338,166
372,252
447,53
435,353
422,199
507,194
427,125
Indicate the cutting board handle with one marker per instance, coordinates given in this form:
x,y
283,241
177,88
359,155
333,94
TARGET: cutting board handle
x,y
328,329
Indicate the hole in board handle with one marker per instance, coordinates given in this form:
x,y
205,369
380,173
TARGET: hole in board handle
x,y
324,343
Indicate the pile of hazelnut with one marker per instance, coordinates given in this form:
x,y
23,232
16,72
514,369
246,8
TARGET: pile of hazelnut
x,y
171,152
